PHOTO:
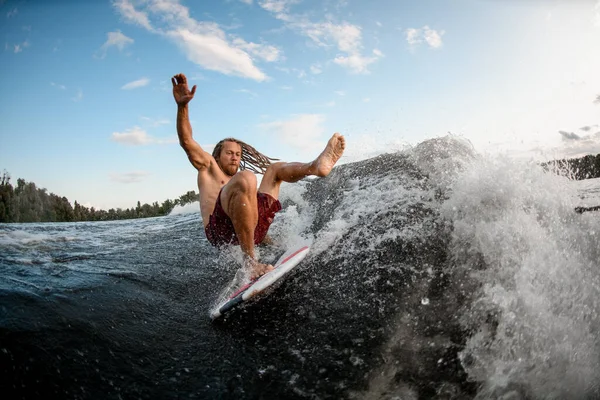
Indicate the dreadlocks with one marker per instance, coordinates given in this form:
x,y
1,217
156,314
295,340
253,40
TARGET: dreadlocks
x,y
252,159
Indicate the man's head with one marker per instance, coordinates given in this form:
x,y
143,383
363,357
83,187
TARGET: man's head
x,y
246,157
228,154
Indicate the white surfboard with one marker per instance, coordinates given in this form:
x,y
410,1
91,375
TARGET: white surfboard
x,y
284,265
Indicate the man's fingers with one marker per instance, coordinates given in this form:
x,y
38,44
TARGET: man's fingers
x,y
180,79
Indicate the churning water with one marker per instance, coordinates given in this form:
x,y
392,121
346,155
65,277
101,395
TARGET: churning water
x,y
434,273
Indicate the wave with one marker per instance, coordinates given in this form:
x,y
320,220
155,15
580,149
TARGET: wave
x,y
190,208
433,272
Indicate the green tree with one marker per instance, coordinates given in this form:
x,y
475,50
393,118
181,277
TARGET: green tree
x,y
28,203
6,197
189,197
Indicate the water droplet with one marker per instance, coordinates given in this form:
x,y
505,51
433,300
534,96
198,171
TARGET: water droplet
x,y
425,301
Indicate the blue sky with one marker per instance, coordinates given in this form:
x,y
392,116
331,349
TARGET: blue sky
x,y
86,108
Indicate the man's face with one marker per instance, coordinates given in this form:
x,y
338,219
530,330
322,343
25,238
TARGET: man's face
x,y
231,155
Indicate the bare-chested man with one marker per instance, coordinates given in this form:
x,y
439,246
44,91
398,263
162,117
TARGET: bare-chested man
x,y
233,210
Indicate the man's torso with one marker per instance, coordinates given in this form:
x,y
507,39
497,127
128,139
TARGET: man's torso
x,y
210,182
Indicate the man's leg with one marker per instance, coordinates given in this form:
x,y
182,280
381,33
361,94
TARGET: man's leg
x,y
238,199
293,172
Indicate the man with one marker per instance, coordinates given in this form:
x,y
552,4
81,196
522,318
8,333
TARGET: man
x,y
233,210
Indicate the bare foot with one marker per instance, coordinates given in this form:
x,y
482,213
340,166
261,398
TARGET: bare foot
x,y
257,269
332,153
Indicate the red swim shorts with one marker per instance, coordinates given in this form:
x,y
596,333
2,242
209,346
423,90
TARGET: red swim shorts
x,y
220,231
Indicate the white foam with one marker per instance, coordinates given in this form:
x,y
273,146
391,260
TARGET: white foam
x,y
290,224
588,192
534,262
190,208
27,238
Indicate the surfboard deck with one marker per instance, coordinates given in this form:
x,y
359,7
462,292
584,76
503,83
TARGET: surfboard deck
x,y
289,260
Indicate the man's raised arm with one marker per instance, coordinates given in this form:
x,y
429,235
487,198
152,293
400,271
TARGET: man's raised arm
x,y
198,157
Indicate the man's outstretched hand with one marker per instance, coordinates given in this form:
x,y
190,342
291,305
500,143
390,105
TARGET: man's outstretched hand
x,y
181,93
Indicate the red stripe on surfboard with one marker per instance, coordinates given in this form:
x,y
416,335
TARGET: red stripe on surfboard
x,y
292,255
246,286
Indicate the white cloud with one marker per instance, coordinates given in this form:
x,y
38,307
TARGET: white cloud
x,y
204,43
246,1
300,73
347,38
136,136
355,62
56,85
340,92
129,177
579,145
246,91
213,52
17,48
278,7
12,13
316,69
128,11
286,87
301,131
114,39
366,100
136,84
155,122
433,38
78,96
413,36
266,52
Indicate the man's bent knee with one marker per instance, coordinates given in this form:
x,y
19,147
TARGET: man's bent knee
x,y
243,181
241,186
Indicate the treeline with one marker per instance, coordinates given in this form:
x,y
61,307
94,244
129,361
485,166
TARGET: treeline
x,y
28,203
587,167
